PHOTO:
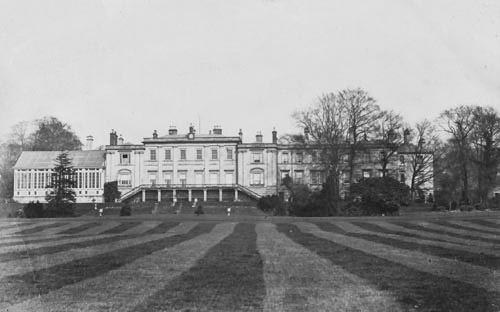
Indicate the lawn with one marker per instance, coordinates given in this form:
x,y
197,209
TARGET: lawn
x,y
250,264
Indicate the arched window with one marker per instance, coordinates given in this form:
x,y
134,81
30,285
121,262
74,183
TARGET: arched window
x,y
124,178
257,177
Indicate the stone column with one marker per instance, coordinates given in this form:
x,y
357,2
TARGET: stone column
x,y
220,195
204,195
159,195
174,195
190,194
143,195
235,194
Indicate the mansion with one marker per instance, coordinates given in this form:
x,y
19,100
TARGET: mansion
x,y
203,167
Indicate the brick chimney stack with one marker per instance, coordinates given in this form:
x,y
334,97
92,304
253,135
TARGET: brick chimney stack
x,y
172,130
258,137
275,136
217,130
90,140
113,138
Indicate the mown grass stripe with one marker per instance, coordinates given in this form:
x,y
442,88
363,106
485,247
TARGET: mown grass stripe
x,y
228,278
352,228
98,230
123,288
17,288
121,228
13,231
433,235
300,280
161,228
413,289
11,225
34,251
57,230
80,228
40,228
439,226
28,246
19,267
467,273
464,254
141,228
434,228
486,222
471,226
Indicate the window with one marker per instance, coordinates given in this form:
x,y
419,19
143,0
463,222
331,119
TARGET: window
x,y
214,177
257,177
314,157
381,173
317,177
257,157
152,177
167,177
182,177
215,154
183,154
168,154
284,173
367,173
124,158
124,178
229,177
401,159
299,177
229,154
284,158
420,159
198,177
199,154
152,154
299,157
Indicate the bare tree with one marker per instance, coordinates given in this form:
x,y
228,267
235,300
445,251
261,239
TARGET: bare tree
x,y
459,123
422,154
326,125
485,140
389,136
362,114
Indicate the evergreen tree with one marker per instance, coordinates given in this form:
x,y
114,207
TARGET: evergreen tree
x,y
61,198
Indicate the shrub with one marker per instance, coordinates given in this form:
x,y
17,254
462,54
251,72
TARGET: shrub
x,y
111,193
125,211
199,210
53,210
269,203
33,210
377,196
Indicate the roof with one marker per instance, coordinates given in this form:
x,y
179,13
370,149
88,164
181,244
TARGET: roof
x,y
45,159
182,138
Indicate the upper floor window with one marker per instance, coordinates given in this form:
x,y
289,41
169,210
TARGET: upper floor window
x,y
168,154
229,154
124,158
299,157
199,154
124,178
257,157
317,177
284,158
215,154
183,154
299,177
152,154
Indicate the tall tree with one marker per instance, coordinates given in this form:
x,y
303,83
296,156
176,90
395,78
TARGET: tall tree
x,y
420,157
62,182
459,123
326,123
54,135
389,134
486,145
362,114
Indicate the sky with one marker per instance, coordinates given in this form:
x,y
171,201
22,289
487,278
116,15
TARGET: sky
x,y
138,66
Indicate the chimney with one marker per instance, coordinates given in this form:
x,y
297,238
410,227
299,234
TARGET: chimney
x,y
258,137
275,136
191,129
406,136
240,135
90,140
120,140
217,130
155,134
113,138
306,134
172,130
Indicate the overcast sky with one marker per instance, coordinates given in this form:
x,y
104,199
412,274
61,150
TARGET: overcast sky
x,y
136,66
